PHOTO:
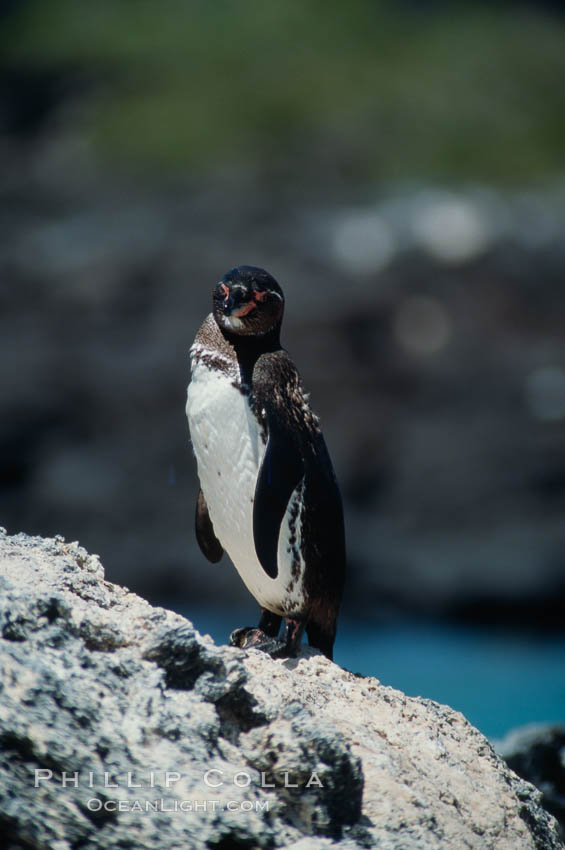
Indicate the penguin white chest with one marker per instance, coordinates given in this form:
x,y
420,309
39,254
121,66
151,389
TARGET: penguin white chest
x,y
229,449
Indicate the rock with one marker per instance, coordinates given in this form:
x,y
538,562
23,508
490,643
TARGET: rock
x,y
537,753
121,726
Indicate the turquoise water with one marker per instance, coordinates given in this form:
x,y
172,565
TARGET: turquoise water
x,y
497,679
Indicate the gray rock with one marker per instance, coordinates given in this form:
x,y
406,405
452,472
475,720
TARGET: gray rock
x,y
121,726
536,752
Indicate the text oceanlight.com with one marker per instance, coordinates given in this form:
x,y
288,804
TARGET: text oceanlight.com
x,y
212,779
95,804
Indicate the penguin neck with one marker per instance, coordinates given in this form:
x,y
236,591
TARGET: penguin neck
x,y
249,348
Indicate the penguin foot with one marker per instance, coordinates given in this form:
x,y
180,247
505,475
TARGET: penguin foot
x,y
252,638
238,636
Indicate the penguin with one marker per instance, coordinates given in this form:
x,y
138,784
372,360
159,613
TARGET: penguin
x,y
268,496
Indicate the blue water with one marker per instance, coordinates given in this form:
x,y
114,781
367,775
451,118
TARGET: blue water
x,y
497,679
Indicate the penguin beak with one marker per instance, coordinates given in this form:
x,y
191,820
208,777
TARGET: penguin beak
x,y
234,307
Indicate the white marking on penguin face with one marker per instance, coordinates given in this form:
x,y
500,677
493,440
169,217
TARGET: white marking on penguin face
x,y
232,323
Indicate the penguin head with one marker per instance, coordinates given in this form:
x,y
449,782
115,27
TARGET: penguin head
x,y
248,302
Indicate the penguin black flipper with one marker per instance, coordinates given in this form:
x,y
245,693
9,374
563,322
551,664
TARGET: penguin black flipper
x,y
296,451
281,472
209,544
278,398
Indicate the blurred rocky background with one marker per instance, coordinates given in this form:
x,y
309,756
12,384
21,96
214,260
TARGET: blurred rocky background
x,y
400,169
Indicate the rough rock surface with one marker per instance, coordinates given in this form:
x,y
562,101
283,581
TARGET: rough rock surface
x,y
104,694
537,753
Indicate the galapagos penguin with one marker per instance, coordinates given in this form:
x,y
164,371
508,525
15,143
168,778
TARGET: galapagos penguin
x,y
268,496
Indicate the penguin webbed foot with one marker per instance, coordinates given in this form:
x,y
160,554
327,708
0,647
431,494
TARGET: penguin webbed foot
x,y
255,638
252,638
